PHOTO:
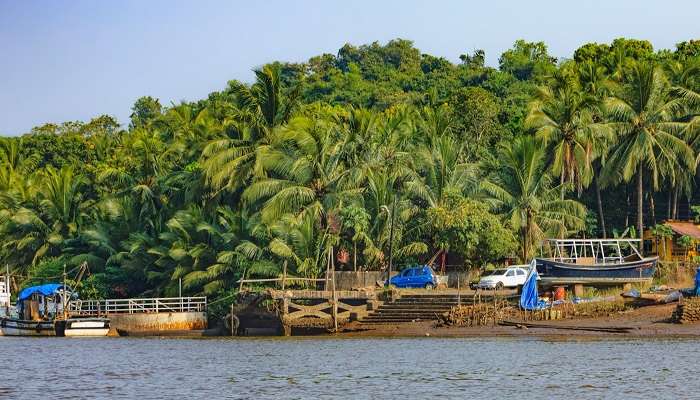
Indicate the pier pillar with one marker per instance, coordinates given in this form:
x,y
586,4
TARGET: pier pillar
x,y
578,290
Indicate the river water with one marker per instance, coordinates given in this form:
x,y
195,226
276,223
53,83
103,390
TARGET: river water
x,y
325,368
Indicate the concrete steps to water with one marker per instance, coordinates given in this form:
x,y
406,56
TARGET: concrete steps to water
x,y
414,307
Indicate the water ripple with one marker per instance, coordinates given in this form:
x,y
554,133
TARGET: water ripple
x,y
346,368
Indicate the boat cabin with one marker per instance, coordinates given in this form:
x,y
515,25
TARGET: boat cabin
x,y
42,303
592,251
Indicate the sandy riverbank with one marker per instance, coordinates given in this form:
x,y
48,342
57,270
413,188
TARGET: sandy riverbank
x,y
651,322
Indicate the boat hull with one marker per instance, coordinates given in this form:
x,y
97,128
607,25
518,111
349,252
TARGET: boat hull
x,y
83,327
634,270
18,327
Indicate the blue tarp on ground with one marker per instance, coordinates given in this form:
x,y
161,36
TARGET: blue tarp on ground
x,y
697,282
48,289
528,298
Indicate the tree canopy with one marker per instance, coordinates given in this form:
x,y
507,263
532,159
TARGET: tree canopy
x,y
377,152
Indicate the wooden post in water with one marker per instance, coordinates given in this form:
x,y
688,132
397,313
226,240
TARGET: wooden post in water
x,y
284,274
328,267
459,295
285,310
233,327
335,294
494,307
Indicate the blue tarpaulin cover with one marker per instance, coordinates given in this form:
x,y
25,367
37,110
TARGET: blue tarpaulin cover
x,y
697,282
528,298
48,289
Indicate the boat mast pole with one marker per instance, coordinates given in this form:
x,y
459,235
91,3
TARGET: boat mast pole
x,y
63,297
7,290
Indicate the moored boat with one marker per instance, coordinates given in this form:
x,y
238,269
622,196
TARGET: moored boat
x,y
596,260
42,311
82,327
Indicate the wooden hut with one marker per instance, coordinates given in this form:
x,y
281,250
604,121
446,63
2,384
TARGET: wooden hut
x,y
671,245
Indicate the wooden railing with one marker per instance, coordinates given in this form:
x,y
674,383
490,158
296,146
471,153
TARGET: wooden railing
x,y
137,306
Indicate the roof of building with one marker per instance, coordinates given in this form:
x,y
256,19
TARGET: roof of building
x,y
684,228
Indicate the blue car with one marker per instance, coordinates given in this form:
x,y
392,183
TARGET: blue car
x,y
414,277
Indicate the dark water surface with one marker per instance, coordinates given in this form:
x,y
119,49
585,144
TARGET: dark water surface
x,y
322,368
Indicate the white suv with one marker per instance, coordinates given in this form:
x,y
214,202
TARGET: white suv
x,y
512,276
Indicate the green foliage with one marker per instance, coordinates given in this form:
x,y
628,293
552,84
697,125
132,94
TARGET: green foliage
x,y
661,231
527,60
685,242
467,228
324,157
696,211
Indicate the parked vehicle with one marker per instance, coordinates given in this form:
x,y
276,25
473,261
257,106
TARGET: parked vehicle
x,y
414,277
512,276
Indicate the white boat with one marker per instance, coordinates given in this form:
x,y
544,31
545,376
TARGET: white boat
x,y
83,327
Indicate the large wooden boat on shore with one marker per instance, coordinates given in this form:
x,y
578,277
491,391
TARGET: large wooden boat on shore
x,y
596,260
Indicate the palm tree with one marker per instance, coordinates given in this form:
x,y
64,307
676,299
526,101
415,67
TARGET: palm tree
x,y
306,175
439,170
230,162
41,223
62,199
595,83
563,121
299,240
643,115
384,202
522,190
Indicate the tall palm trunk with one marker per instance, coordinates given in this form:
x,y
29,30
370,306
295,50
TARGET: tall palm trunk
x,y
561,183
674,215
669,205
601,216
652,209
627,208
526,236
640,203
354,255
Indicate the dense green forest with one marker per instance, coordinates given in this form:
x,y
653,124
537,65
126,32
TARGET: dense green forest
x,y
330,154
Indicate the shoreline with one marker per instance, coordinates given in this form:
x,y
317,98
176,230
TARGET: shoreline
x,y
644,322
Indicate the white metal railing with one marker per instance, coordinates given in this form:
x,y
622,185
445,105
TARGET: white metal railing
x,y
606,250
137,306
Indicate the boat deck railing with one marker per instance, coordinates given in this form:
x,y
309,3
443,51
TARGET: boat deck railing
x,y
607,251
137,306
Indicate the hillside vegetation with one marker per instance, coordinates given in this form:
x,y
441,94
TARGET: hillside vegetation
x,y
478,162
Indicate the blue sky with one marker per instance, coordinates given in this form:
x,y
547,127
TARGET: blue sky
x,y
73,60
